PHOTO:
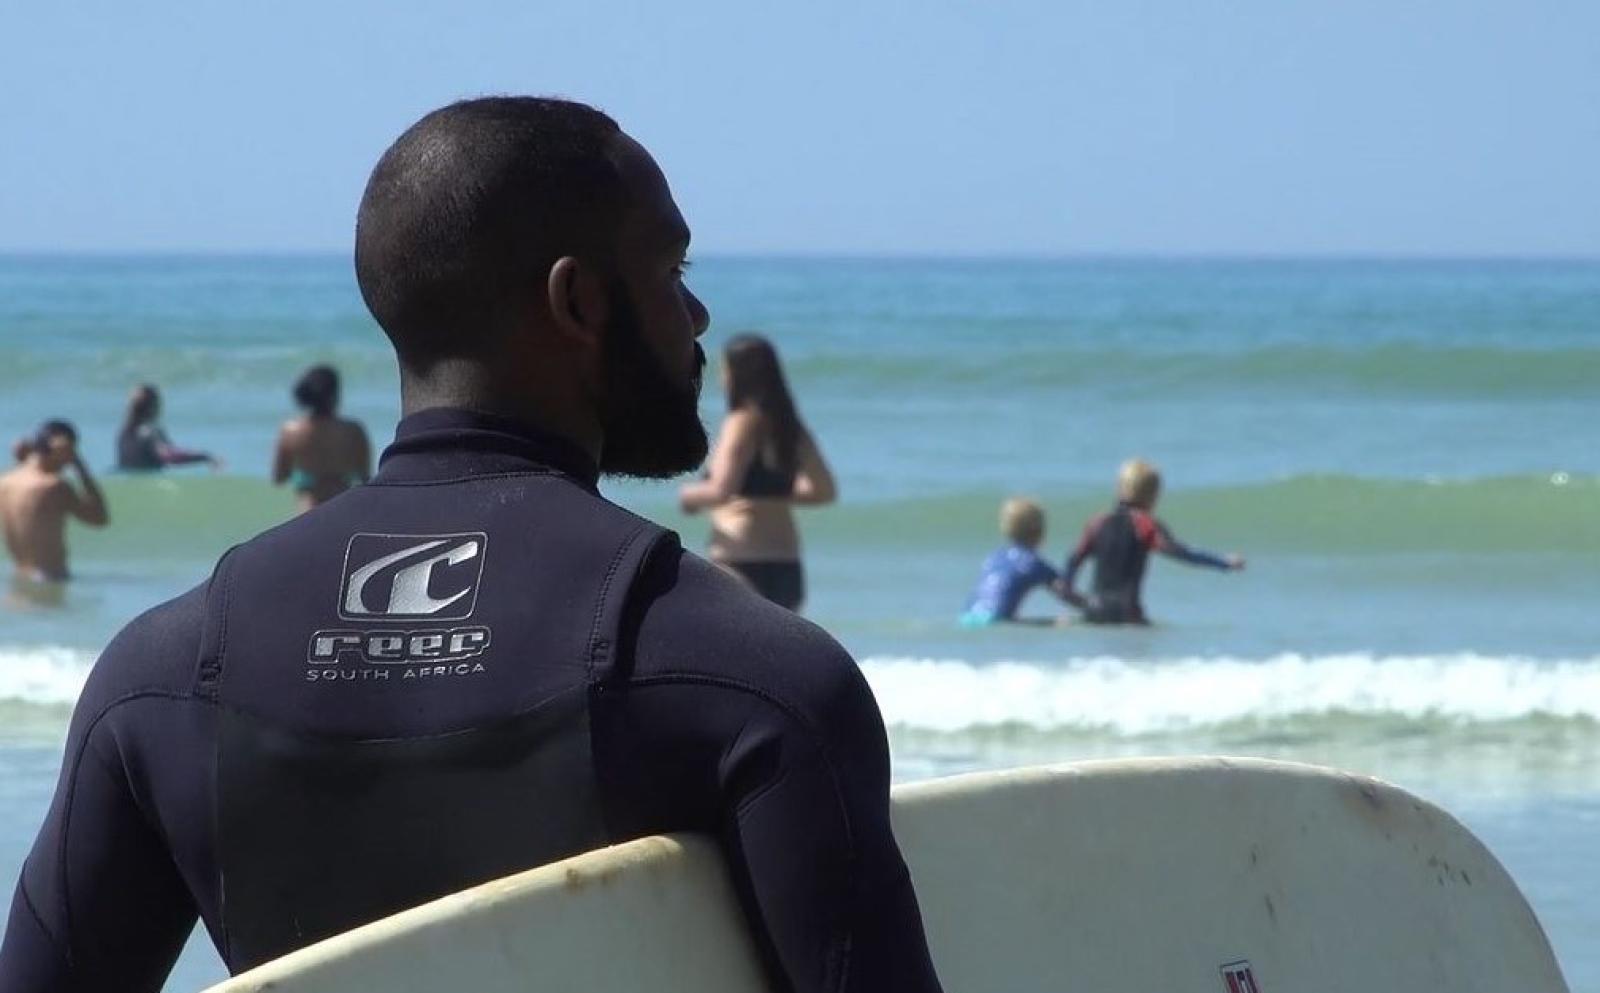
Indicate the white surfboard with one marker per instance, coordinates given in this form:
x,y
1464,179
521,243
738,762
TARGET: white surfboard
x,y
1160,875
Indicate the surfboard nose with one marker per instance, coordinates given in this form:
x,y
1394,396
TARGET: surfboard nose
x,y
1167,873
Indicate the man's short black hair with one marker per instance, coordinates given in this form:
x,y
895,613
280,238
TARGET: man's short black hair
x,y
53,428
468,209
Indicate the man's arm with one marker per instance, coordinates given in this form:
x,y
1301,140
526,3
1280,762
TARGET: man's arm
x,y
743,720
814,852
100,905
89,506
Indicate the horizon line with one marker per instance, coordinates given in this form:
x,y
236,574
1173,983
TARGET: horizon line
x,y
867,256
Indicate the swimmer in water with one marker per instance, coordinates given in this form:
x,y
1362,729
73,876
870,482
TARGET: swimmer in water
x,y
765,462
36,499
143,445
1120,542
1011,573
320,453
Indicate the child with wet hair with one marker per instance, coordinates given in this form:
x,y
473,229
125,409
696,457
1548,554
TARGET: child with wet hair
x,y
1120,542
1012,572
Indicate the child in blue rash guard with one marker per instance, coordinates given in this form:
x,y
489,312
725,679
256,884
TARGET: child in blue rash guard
x,y
1011,572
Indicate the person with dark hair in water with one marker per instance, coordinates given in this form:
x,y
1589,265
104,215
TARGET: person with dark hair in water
x,y
475,663
1120,542
36,500
320,453
764,462
142,443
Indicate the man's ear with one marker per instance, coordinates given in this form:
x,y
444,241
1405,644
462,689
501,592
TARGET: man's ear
x,y
579,304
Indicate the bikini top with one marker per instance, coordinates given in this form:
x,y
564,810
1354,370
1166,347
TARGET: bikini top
x,y
763,479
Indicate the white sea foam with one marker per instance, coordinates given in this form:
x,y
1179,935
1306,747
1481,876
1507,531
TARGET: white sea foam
x,y
1110,694
44,675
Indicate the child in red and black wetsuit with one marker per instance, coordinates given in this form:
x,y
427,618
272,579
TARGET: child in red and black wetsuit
x,y
1120,542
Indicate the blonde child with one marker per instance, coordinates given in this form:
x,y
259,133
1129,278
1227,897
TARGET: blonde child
x,y
1011,572
1120,542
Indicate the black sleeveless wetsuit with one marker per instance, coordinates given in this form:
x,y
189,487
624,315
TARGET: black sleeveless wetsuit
x,y
471,666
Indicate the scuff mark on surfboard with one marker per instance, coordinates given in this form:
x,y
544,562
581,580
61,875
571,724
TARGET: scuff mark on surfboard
x,y
649,853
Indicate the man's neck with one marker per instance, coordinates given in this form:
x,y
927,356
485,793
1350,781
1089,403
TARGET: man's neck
x,y
475,386
37,465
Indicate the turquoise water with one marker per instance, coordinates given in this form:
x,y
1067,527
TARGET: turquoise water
x,y
1405,451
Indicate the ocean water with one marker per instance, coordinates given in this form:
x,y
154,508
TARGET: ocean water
x,y
1406,452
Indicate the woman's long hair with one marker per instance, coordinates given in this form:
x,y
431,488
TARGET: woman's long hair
x,y
143,406
755,379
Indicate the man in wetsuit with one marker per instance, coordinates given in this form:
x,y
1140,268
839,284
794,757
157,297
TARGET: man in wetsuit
x,y
476,664
1120,542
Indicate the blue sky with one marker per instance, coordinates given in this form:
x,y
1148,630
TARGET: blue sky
x,y
838,126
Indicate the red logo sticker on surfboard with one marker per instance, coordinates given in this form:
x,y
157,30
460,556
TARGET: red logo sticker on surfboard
x,y
1237,977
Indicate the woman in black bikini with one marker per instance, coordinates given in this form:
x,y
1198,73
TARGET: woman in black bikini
x,y
764,462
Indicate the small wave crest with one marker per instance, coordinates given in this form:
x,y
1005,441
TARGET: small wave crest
x,y
44,676
1377,370
1104,694
1306,514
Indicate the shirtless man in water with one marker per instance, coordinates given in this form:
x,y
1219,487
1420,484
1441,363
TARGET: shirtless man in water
x,y
36,499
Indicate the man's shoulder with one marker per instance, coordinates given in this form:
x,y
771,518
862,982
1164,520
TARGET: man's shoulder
x,y
38,491
699,620
154,652
25,477
727,608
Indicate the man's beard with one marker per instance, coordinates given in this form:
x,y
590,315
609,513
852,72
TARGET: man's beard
x,y
651,422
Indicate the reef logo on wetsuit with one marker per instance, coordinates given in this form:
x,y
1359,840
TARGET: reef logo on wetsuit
x,y
407,578
411,564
